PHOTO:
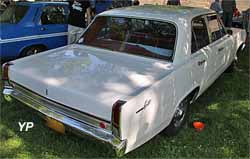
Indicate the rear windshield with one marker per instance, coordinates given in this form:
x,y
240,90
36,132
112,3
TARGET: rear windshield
x,y
141,37
13,14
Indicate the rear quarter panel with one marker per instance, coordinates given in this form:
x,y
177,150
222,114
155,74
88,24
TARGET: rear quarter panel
x,y
165,95
239,36
139,127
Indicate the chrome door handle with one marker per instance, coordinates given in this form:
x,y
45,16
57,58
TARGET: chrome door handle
x,y
42,29
221,49
201,62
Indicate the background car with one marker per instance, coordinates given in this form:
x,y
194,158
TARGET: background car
x,y
28,28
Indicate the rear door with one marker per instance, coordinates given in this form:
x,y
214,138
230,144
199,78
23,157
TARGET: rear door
x,y
53,24
201,58
221,45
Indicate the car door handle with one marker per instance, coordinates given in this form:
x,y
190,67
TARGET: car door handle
x,y
42,29
201,62
221,49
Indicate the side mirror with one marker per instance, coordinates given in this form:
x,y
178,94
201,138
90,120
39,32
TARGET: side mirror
x,y
229,32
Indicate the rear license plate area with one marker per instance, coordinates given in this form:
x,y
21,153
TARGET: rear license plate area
x,y
55,125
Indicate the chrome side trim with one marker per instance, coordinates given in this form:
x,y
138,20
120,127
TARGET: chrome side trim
x,y
83,128
33,37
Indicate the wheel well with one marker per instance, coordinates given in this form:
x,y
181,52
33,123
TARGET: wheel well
x,y
239,50
43,47
241,47
193,94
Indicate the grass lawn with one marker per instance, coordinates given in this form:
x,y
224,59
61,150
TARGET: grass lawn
x,y
224,108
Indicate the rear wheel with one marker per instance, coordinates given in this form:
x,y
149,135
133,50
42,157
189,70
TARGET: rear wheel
x,y
32,51
179,119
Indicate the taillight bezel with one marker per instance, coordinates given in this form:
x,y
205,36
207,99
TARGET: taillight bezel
x,y
5,71
116,117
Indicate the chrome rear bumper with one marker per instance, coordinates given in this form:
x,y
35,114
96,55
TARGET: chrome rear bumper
x,y
46,108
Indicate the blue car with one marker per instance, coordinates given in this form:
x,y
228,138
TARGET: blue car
x,y
31,27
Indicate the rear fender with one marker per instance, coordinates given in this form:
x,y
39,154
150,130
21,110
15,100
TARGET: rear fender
x,y
146,114
240,39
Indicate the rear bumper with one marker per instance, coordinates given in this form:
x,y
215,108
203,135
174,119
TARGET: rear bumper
x,y
82,128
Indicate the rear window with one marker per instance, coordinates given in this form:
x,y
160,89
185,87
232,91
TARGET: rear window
x,y
141,37
13,14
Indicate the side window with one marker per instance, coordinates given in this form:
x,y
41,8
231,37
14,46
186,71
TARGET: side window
x,y
200,37
53,15
215,28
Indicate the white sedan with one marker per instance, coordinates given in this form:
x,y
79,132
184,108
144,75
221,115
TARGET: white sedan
x,y
132,75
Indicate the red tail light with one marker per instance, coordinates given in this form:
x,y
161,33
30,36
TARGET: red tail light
x,y
6,70
102,125
116,112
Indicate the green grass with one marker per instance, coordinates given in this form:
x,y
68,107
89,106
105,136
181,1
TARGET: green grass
x,y
224,108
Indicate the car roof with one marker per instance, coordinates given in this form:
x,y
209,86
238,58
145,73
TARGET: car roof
x,y
161,12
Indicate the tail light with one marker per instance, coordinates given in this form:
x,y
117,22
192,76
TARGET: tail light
x,y
102,125
116,114
6,70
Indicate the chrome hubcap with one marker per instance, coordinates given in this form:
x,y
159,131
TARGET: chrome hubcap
x,y
180,114
32,52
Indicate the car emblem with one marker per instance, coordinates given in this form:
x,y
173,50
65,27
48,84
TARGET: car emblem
x,y
146,104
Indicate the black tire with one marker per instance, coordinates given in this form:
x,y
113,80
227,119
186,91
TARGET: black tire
x,y
179,118
32,51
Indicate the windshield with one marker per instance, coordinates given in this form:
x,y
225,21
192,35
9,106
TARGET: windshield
x,y
142,37
13,14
